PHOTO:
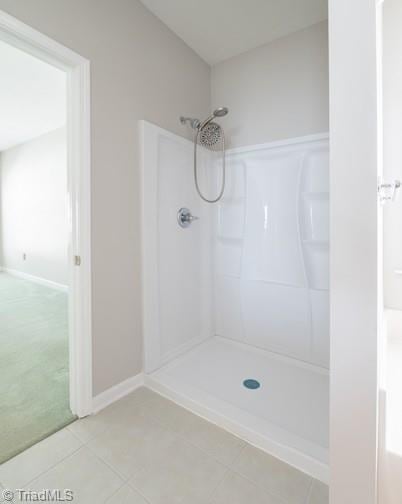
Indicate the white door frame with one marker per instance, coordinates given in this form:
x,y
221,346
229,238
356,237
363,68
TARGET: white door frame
x,y
77,69
355,254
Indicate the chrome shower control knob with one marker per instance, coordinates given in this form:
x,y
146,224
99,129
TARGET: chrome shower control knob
x,y
185,218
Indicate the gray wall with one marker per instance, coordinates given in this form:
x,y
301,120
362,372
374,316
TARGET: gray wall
x,y
277,91
34,221
140,70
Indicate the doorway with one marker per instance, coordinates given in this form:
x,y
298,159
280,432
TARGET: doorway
x,y
46,262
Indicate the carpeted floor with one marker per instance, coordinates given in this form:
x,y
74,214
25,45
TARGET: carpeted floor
x,y
34,392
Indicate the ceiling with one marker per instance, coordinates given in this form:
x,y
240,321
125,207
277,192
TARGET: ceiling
x,y
32,97
219,29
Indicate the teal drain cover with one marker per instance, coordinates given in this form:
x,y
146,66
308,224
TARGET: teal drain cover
x,y
251,384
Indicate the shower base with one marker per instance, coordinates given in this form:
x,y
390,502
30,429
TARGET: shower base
x,y
287,416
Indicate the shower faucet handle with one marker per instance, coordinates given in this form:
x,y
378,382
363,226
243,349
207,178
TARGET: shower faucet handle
x,y
185,217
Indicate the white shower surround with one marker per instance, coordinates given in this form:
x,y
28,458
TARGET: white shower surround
x,y
250,277
271,249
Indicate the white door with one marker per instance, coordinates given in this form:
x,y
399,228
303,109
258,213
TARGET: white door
x,y
354,259
390,465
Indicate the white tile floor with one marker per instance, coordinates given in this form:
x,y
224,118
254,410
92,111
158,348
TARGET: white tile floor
x,y
145,449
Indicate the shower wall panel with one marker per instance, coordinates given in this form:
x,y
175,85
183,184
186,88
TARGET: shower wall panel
x,y
177,269
271,249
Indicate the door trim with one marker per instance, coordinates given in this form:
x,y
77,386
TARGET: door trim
x,y
355,269
77,68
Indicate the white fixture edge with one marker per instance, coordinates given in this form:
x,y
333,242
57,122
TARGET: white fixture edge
x,y
287,142
113,394
294,458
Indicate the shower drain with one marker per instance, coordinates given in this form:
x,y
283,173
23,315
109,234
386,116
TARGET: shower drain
x,y
251,384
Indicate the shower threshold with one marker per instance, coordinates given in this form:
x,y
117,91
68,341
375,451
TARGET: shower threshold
x,y
287,414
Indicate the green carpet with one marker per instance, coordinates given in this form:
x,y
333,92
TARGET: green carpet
x,y
34,391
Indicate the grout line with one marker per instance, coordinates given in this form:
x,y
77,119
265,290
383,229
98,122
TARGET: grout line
x,y
74,435
114,493
69,456
310,492
229,467
82,445
254,444
107,464
238,455
265,490
92,437
124,482
53,466
166,427
255,484
182,437
212,493
133,487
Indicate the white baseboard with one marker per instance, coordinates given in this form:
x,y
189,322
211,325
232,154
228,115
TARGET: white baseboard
x,y
35,279
116,392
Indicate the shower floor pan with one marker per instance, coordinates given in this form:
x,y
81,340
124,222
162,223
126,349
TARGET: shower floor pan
x,y
287,416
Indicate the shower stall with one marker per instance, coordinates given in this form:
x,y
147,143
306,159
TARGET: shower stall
x,y
236,301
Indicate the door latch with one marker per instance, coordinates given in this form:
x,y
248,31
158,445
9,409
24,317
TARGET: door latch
x,y
387,191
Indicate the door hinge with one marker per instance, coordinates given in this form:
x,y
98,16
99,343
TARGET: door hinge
x,y
77,260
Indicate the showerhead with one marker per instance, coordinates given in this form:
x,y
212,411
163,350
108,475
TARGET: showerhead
x,y
210,135
220,112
